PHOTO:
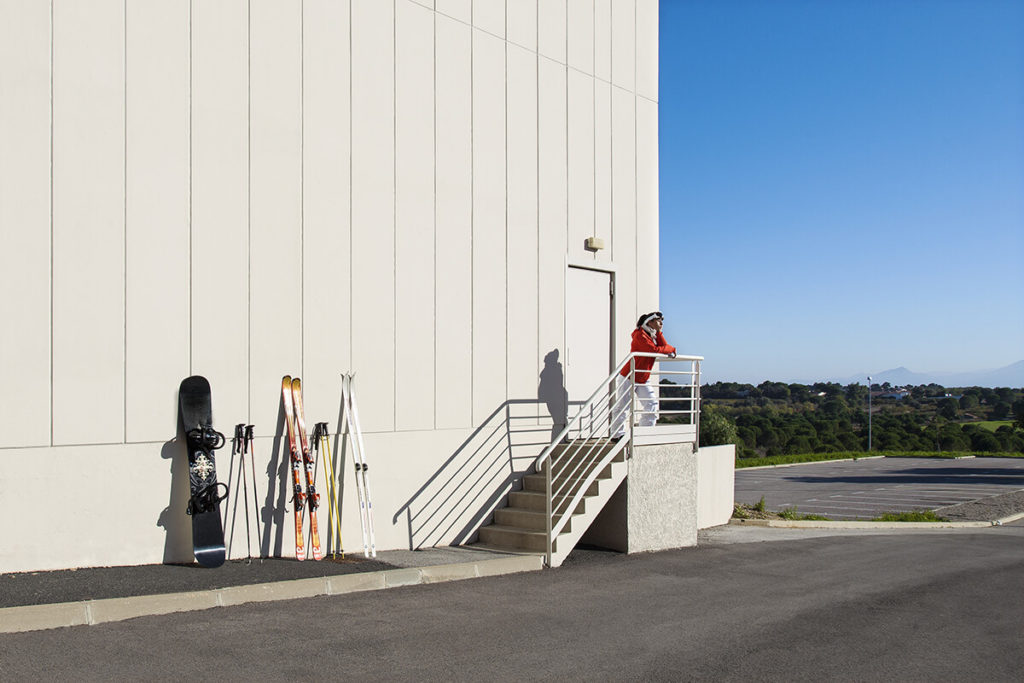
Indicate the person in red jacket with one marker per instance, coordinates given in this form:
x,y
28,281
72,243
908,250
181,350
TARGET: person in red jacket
x,y
647,338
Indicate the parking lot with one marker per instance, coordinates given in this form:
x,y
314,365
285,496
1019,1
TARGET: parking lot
x,y
866,488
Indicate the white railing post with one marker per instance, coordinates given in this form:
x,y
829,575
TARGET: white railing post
x,y
696,403
549,509
631,387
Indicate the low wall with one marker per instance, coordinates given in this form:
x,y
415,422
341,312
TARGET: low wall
x,y
716,467
655,508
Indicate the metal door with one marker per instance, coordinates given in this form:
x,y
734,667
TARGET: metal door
x,y
588,331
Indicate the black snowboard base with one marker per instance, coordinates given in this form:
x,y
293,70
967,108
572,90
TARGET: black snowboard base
x,y
201,440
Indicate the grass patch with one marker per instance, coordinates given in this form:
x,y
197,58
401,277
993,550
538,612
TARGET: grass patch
x,y
847,455
793,514
913,516
758,511
993,425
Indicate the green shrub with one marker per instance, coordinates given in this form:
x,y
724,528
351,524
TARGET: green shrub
x,y
913,516
793,514
846,455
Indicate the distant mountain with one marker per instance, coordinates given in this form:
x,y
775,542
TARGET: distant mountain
x,y
1010,376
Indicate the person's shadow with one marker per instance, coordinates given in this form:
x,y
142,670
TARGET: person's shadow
x,y
552,392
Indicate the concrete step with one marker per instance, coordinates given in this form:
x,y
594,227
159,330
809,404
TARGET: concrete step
x,y
578,470
499,536
586,450
590,442
535,500
535,482
524,519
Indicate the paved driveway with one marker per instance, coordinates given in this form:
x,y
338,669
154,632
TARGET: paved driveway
x,y
866,488
942,606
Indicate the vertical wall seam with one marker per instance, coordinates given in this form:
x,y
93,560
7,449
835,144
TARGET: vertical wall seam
x,y
472,222
536,71
568,176
593,109
394,213
638,259
191,181
351,227
433,368
248,212
52,390
302,188
124,225
611,131
507,306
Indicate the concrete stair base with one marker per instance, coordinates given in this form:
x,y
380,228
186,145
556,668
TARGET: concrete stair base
x,y
521,525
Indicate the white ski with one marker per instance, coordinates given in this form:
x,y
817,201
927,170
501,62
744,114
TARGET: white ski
x,y
350,419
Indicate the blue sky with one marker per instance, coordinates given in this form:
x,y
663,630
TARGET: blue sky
x,y
842,185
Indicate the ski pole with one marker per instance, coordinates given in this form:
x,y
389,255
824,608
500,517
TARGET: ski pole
x,y
238,446
250,446
333,511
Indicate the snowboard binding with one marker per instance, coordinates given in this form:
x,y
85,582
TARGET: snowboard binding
x,y
206,438
206,499
202,441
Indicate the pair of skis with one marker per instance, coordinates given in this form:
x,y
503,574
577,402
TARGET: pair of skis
x,y
350,419
240,445
291,394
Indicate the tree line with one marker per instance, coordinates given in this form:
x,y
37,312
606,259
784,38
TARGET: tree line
x,y
776,418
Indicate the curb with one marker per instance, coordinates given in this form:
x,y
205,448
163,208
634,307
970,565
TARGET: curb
x,y
812,462
822,524
91,612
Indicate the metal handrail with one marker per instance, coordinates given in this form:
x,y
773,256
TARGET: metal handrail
x,y
602,408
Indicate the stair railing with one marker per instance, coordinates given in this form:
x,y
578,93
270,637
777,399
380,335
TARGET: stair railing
x,y
590,436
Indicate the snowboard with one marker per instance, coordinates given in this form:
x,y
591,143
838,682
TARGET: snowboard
x,y
202,440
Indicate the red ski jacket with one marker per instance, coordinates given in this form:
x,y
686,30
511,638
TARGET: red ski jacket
x,y
642,342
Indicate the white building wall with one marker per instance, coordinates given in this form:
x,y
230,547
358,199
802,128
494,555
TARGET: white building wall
x,y
245,190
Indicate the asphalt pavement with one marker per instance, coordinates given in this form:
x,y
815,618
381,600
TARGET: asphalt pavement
x,y
868,487
936,606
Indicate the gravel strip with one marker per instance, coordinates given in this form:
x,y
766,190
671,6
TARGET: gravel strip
x,y
986,509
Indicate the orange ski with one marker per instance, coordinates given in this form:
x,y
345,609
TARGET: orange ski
x,y
312,497
299,499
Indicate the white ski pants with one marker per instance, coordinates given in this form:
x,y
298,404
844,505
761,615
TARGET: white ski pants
x,y
647,411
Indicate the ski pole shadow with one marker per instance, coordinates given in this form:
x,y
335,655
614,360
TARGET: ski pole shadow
x,y
176,524
275,505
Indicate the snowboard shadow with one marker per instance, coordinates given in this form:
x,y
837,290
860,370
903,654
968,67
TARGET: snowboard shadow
x,y
176,524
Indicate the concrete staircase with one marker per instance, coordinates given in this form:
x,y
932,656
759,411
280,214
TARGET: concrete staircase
x,y
522,527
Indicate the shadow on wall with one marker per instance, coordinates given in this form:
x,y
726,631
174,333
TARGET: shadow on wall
x,y
461,496
276,503
552,392
176,524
